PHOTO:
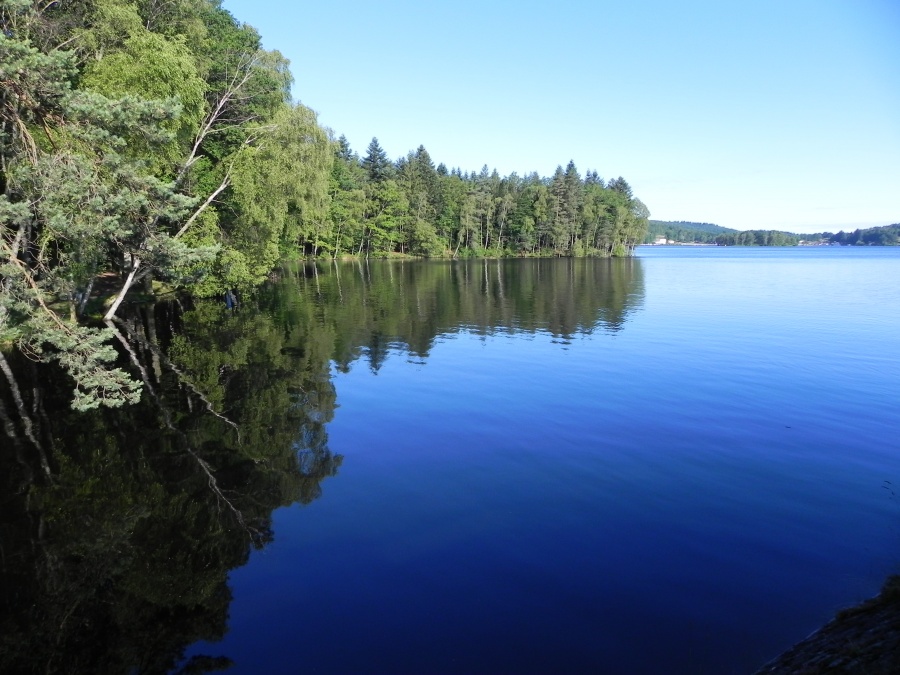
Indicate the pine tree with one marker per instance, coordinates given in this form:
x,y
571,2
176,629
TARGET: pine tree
x,y
621,186
343,148
376,163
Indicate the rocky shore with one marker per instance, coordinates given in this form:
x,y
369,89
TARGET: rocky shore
x,y
864,639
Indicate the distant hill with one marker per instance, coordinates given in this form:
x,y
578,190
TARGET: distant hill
x,y
887,235
684,231
688,225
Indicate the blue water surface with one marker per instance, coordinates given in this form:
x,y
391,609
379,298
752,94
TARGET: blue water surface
x,y
692,491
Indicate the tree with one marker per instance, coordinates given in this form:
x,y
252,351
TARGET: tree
x,y
343,150
621,186
376,163
113,154
386,214
152,67
67,202
347,203
279,188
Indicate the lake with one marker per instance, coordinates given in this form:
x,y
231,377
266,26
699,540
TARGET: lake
x,y
682,462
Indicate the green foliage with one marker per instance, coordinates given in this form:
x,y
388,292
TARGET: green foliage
x,y
280,190
70,205
149,150
376,163
414,209
683,231
151,66
757,238
107,25
87,357
347,201
888,235
146,140
32,83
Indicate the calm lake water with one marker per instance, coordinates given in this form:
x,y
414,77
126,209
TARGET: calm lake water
x,y
679,463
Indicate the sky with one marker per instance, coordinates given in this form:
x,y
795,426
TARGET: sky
x,y
752,115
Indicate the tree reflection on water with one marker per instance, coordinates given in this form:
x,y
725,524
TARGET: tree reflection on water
x,y
118,528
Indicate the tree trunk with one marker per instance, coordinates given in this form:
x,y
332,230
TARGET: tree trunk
x,y
337,241
86,296
135,264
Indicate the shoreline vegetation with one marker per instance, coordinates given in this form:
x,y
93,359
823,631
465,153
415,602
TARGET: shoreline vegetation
x,y
661,232
148,143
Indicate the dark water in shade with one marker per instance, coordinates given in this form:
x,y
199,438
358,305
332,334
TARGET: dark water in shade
x,y
679,463
685,473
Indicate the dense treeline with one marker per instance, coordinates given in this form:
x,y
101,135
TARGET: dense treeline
x,y
143,141
413,207
707,233
133,140
888,235
683,231
757,238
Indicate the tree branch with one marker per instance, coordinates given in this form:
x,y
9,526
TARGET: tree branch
x,y
215,193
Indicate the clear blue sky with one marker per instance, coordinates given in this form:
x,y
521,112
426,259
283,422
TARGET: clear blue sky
x,y
767,114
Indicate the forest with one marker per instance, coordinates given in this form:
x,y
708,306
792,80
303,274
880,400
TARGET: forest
x,y
707,233
149,144
683,231
758,238
888,235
